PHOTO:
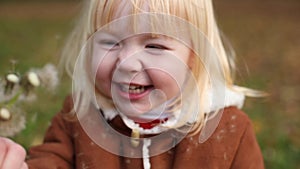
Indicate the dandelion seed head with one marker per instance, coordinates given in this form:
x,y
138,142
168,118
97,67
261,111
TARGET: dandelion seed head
x,y
49,76
14,125
12,120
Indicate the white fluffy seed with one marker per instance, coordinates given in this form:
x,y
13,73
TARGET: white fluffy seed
x,y
33,79
13,78
5,114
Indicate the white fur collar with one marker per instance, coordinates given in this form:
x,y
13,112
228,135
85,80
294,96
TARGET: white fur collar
x,y
231,98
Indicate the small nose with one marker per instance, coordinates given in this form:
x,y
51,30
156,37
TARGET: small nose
x,y
129,59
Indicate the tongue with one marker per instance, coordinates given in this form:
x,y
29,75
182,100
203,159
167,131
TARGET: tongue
x,y
151,124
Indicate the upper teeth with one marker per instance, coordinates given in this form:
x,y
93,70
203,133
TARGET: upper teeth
x,y
133,88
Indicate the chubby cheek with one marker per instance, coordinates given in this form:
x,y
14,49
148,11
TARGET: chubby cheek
x,y
102,75
169,84
102,84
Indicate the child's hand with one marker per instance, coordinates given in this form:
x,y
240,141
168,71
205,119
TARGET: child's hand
x,y
12,155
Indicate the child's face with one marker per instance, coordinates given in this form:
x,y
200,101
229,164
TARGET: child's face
x,y
139,71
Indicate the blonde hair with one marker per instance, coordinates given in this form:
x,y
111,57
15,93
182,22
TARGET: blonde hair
x,y
199,13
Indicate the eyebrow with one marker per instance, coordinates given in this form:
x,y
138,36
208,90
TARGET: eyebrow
x,y
156,36
145,36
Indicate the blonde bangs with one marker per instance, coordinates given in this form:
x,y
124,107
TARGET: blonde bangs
x,y
108,11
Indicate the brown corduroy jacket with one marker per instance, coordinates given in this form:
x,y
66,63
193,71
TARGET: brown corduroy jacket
x,y
232,145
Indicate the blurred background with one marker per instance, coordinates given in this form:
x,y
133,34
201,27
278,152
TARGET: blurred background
x,y
265,36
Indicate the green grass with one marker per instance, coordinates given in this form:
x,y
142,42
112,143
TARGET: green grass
x,y
30,42
265,36
34,43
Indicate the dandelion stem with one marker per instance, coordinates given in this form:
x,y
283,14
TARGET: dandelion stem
x,y
14,99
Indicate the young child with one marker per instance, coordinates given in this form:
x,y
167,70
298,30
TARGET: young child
x,y
152,88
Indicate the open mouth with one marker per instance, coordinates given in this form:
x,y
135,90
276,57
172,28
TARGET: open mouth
x,y
134,88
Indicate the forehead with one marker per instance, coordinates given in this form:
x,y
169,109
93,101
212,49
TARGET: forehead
x,y
153,25
127,18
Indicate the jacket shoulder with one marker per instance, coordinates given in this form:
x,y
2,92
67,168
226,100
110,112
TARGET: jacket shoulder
x,y
226,124
227,135
234,141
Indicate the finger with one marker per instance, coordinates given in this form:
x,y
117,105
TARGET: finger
x,y
15,156
24,166
3,150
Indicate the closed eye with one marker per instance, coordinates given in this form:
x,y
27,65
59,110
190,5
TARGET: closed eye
x,y
108,44
156,46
